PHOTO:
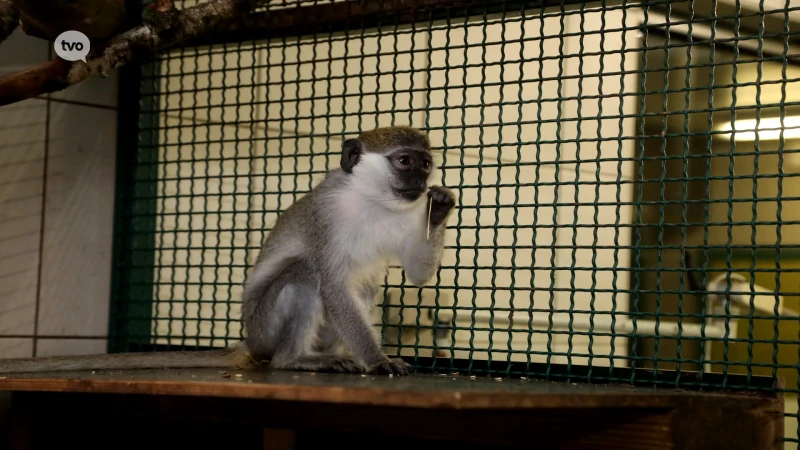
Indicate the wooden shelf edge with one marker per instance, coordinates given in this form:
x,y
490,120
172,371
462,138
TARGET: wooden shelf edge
x,y
415,391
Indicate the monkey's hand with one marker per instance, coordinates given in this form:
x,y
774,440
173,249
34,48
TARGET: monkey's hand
x,y
394,366
442,202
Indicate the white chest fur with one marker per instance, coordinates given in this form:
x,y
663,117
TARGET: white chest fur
x,y
372,233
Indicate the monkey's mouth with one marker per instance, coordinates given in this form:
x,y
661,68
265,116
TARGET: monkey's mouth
x,y
410,194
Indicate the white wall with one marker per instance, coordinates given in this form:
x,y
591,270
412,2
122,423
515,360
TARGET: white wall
x,y
57,166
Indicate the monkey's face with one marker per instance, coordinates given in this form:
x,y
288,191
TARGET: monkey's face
x,y
411,170
391,165
396,179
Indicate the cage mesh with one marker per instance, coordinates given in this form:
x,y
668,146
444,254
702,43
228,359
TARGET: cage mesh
x,y
610,224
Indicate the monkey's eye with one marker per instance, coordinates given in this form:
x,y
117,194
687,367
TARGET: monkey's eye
x,y
404,160
425,163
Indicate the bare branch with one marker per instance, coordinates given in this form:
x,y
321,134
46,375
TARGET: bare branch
x,y
9,18
163,31
46,19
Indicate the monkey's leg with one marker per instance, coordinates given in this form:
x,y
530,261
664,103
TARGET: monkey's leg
x,y
369,293
284,325
327,358
351,323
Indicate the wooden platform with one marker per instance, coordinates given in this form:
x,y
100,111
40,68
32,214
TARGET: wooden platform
x,y
214,409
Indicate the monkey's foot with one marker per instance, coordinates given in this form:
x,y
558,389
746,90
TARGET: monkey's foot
x,y
344,366
394,366
319,364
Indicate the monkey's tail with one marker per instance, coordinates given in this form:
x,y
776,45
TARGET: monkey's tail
x,y
232,357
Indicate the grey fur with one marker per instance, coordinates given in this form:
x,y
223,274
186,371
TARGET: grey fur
x,y
307,301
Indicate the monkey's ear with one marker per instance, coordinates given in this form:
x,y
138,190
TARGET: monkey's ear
x,y
351,154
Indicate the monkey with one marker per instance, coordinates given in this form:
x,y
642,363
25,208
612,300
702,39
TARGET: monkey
x,y
307,300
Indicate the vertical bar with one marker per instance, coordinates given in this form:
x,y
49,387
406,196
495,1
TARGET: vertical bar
x,y
512,310
127,118
435,330
536,197
731,175
457,263
620,134
123,327
684,185
137,177
754,205
205,195
162,169
557,161
636,265
597,181
497,204
662,186
463,142
779,212
221,194
707,200
385,304
576,194
234,213
192,175
251,166
413,71
481,123
395,67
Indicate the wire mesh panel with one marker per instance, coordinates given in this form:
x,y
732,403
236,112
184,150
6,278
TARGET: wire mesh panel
x,y
625,173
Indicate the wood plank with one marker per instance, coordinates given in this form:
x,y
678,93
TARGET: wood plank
x,y
615,428
417,391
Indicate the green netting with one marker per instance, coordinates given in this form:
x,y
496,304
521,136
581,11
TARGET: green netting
x,y
605,209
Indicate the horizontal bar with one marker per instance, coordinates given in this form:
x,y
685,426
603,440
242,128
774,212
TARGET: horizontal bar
x,y
619,326
339,16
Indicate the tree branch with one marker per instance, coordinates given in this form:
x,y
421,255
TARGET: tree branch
x,y
164,30
9,18
46,19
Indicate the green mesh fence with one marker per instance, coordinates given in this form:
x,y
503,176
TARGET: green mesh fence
x,y
610,225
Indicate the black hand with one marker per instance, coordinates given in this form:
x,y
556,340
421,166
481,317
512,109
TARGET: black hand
x,y
442,202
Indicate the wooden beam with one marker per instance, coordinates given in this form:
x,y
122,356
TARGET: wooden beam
x,y
359,14
441,407
164,30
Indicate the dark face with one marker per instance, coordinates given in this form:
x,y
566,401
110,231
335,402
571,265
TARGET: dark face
x,y
412,167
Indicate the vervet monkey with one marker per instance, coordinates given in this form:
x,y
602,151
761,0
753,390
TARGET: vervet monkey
x,y
307,301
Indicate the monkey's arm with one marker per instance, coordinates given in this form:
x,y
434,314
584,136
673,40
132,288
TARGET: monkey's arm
x,y
422,254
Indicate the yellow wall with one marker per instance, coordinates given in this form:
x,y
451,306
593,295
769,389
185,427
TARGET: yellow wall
x,y
764,329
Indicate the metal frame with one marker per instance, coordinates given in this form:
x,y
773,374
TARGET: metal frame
x,y
293,21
